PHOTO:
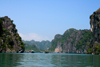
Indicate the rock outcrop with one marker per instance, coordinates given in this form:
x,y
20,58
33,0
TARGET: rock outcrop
x,y
10,41
72,41
95,29
58,36
58,47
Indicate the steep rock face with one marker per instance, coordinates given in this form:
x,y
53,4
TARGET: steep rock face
x,y
58,47
95,25
10,41
72,41
95,29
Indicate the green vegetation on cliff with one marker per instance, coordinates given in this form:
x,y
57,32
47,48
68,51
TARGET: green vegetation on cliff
x,y
63,38
95,29
10,41
73,40
87,37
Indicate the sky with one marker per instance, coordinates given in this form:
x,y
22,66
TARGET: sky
x,y
42,19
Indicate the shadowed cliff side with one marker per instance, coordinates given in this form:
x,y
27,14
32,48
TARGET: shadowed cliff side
x,y
10,41
95,29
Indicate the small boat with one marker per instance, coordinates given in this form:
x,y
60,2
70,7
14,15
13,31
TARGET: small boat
x,y
46,51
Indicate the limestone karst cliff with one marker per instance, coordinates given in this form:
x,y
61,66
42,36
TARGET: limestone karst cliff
x,y
95,29
72,41
80,41
10,41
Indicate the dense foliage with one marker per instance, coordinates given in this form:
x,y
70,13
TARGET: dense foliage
x,y
87,37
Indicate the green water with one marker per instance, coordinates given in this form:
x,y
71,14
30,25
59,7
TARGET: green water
x,y
48,60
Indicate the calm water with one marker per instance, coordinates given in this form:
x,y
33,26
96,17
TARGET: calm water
x,y
48,60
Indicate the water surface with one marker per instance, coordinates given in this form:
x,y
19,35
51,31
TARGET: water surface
x,y
48,60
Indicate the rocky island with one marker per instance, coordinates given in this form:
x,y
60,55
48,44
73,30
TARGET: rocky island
x,y
95,29
79,41
72,41
10,41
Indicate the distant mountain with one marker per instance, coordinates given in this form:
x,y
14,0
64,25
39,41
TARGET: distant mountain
x,y
31,47
43,45
29,42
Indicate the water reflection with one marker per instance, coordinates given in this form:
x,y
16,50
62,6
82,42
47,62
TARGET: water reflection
x,y
49,60
9,60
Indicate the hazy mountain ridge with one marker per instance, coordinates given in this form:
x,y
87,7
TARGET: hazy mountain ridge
x,y
31,47
43,45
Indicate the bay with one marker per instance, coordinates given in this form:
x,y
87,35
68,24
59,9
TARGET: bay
x,y
48,60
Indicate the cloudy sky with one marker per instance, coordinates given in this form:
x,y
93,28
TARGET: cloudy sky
x,y
43,19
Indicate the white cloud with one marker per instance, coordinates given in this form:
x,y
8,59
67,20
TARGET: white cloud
x,y
33,36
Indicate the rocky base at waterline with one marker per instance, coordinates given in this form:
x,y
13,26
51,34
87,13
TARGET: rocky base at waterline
x,y
10,41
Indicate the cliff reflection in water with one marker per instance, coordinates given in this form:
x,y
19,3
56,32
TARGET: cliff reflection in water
x,y
9,60
49,60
